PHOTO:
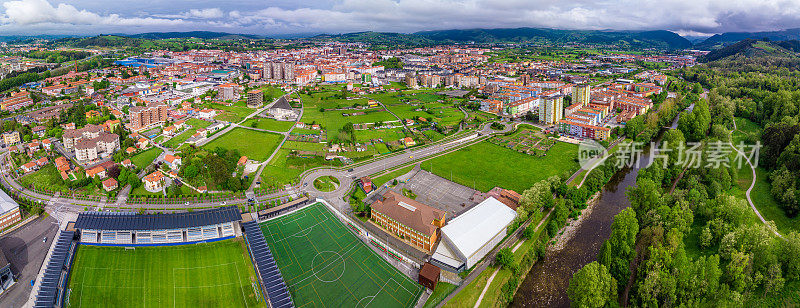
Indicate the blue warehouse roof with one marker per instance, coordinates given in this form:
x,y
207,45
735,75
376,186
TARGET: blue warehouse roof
x,y
129,221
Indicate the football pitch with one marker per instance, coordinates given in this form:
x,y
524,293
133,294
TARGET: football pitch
x,y
218,274
325,265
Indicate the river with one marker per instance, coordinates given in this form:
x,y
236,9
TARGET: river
x,y
546,283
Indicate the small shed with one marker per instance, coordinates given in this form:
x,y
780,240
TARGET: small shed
x,y
429,275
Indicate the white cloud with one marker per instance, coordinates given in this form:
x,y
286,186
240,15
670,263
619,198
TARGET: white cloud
x,y
211,13
335,16
33,12
206,13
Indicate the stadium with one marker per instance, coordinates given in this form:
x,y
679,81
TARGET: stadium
x,y
210,258
296,255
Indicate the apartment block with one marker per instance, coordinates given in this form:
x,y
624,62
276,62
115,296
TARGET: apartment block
x,y
145,117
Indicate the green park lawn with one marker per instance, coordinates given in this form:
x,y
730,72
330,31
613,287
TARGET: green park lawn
x,y
442,290
48,177
218,274
197,123
269,124
283,170
272,91
180,138
334,119
326,183
484,165
386,177
255,145
233,113
769,207
145,158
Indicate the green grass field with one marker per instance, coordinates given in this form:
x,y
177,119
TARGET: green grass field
x,y
253,144
47,177
145,158
325,265
216,274
269,124
485,165
326,183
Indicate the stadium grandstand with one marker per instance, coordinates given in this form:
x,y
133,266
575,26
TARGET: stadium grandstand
x,y
272,282
53,286
131,230
128,229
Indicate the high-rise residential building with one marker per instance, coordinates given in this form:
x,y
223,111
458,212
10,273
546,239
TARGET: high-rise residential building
x,y
551,110
411,80
279,70
582,94
254,98
145,117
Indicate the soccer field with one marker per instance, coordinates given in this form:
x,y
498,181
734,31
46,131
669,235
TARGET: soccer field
x,y
218,274
325,265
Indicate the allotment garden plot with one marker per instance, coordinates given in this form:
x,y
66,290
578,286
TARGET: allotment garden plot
x,y
325,265
216,274
528,141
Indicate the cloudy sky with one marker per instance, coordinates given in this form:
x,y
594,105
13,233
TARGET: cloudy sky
x,y
272,17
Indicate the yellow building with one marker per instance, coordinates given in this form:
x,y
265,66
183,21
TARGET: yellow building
x,y
410,220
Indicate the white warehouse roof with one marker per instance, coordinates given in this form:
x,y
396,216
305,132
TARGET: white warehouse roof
x,y
474,228
7,204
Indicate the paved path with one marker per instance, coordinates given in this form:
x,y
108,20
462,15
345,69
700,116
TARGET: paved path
x,y
753,184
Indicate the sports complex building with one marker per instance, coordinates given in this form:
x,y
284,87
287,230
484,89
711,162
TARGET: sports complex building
x,y
119,232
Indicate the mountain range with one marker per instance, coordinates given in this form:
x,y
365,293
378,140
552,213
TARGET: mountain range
x,y
660,39
626,39
752,48
721,40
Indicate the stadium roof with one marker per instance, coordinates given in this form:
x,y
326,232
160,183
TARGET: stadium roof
x,y
6,202
474,228
271,278
52,285
130,221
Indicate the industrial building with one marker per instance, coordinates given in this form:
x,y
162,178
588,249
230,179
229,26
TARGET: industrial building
x,y
467,238
9,211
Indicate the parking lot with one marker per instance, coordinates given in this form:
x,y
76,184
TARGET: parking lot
x,y
440,193
25,250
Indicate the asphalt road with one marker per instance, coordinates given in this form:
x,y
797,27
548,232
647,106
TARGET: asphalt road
x,y
26,251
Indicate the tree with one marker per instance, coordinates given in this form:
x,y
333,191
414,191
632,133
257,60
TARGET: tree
x,y
644,197
620,248
592,286
504,258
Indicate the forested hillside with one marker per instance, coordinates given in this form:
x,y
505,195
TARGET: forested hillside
x,y
690,237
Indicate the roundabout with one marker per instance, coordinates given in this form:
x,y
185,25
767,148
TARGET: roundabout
x,y
326,183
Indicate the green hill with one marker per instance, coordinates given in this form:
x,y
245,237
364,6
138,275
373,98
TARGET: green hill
x,y
750,48
729,38
624,39
633,39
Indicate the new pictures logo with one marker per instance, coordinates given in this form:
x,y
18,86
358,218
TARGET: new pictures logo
x,y
589,152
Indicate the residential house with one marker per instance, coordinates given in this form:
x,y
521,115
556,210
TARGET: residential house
x,y
174,162
99,171
154,182
110,184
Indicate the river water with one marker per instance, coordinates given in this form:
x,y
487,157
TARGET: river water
x,y
546,283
